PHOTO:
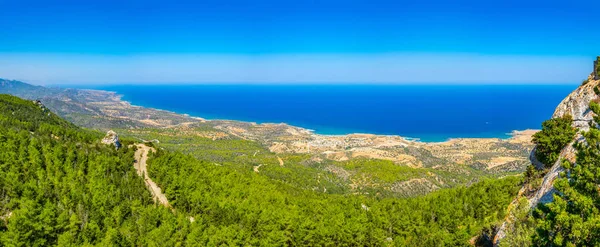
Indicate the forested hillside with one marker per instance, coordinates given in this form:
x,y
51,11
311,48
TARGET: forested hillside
x,y
245,208
60,186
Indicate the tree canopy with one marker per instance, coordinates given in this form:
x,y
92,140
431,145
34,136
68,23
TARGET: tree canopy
x,y
556,133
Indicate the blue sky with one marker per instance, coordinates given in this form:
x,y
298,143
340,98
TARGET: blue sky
x,y
78,42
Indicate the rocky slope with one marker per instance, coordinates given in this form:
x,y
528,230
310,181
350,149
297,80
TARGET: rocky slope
x,y
575,104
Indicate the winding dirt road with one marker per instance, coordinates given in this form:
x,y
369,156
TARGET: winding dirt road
x,y
141,156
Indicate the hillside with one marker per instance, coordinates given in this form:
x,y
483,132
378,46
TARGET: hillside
x,y
62,186
373,165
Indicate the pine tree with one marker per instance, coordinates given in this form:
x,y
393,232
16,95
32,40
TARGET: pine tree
x,y
556,133
573,218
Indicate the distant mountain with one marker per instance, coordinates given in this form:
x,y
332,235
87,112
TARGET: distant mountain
x,y
95,109
13,84
25,90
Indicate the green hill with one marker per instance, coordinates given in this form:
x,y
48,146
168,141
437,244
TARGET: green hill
x,y
60,186
27,114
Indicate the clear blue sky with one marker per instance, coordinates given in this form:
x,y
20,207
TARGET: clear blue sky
x,y
298,41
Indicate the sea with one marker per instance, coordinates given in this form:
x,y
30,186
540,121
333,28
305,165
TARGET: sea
x,y
429,113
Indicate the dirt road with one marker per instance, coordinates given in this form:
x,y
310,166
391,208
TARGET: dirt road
x,y
141,156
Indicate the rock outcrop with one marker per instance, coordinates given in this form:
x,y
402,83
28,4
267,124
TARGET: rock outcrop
x,y
575,104
111,138
40,105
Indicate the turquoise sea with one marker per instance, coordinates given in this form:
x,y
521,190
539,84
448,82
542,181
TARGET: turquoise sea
x,y
427,112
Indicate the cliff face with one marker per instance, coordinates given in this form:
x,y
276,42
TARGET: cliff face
x,y
575,104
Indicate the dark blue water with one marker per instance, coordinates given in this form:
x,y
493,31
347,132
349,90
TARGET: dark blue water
x,y
431,112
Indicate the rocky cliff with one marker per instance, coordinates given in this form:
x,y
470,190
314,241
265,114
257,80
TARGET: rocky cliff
x,y
575,104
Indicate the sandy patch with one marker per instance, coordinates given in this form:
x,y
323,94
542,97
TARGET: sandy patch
x,y
498,161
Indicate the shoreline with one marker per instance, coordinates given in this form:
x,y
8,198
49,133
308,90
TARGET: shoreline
x,y
104,110
505,136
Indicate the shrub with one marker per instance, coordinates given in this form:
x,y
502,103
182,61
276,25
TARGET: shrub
x,y
555,135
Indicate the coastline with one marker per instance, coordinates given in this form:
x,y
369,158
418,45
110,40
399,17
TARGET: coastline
x,y
429,113
106,110
336,133
469,157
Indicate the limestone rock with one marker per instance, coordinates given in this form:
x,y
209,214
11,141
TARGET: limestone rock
x,y
111,138
577,103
